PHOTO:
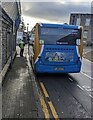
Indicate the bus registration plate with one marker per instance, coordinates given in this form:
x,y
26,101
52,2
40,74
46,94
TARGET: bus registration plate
x,y
59,68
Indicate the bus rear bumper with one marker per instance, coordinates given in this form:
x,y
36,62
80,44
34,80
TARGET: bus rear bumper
x,y
57,69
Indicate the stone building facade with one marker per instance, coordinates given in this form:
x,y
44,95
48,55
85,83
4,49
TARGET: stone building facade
x,y
85,20
10,17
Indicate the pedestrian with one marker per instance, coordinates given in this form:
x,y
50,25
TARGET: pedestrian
x,y
21,45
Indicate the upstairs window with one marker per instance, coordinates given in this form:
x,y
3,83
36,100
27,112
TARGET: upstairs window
x,y
85,34
87,23
78,21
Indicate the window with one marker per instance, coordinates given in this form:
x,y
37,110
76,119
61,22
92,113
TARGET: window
x,y
87,23
85,34
78,21
59,35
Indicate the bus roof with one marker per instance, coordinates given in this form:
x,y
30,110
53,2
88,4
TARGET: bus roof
x,y
65,26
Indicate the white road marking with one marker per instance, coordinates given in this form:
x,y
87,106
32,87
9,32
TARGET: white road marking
x,y
86,75
88,88
80,87
70,79
86,52
83,90
90,95
87,60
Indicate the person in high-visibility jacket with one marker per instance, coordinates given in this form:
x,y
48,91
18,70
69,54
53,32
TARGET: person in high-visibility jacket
x,y
22,45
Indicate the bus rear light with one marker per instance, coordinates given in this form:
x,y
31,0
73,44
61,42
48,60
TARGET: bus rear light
x,y
41,42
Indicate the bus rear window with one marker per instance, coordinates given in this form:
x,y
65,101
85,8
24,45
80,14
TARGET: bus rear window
x,y
59,35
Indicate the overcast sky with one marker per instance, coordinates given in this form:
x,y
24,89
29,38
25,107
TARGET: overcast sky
x,y
53,12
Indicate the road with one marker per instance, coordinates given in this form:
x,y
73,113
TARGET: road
x,y
57,95
71,95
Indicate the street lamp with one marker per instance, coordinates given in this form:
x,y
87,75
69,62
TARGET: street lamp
x,y
27,32
27,27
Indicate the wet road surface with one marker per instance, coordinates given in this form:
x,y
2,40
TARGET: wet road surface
x,y
63,95
71,94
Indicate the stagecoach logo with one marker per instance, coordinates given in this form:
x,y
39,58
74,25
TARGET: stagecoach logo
x,y
65,43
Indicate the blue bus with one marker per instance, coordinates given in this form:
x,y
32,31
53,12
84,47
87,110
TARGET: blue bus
x,y
57,48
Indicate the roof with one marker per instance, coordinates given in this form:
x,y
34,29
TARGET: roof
x,y
90,14
66,26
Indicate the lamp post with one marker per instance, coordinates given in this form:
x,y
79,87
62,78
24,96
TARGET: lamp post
x,y
27,27
27,32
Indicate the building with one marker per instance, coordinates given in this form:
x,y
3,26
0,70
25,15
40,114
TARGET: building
x,y
92,7
85,20
13,9
10,18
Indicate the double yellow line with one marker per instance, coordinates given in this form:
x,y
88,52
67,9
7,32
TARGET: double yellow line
x,y
54,113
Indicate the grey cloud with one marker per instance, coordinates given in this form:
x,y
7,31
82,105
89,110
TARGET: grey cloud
x,y
53,11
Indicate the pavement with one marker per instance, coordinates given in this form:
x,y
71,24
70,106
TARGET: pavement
x,y
20,94
88,55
